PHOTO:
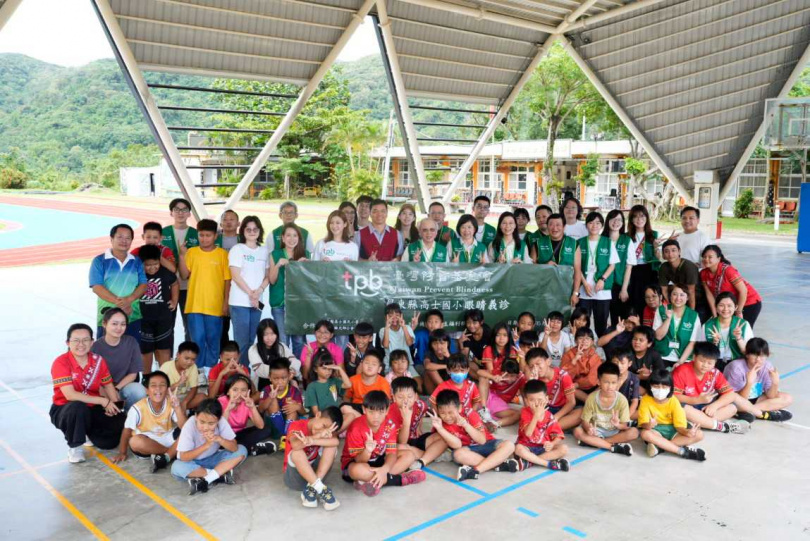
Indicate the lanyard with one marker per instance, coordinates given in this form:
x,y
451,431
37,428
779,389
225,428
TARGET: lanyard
x,y
556,253
592,256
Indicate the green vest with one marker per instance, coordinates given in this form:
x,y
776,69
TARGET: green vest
x,y
714,325
545,251
622,245
476,255
496,250
649,254
277,236
488,235
439,252
682,335
444,231
602,259
277,289
170,242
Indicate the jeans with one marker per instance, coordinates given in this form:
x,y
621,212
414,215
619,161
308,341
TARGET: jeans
x,y
181,469
245,322
132,393
205,331
296,341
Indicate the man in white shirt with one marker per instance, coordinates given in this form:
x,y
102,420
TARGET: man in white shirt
x,y
691,240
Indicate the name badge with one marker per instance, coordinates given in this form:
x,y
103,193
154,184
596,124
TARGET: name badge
x,y
674,345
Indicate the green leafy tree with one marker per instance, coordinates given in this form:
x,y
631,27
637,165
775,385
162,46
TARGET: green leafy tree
x,y
744,204
589,170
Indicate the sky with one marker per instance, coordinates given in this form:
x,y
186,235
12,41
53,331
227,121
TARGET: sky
x,y
67,33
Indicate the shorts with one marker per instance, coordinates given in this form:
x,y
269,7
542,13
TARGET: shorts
x,y
182,468
554,409
420,442
293,479
536,449
606,433
356,407
485,449
496,404
166,440
157,334
376,463
668,431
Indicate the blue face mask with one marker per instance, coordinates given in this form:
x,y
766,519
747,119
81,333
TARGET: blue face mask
x,y
458,377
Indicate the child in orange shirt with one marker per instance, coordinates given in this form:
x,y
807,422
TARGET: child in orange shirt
x,y
366,380
581,363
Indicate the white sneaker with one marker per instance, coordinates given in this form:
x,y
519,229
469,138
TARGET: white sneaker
x,y
446,456
487,418
88,443
76,455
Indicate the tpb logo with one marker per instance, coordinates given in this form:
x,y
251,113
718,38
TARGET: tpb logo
x,y
367,286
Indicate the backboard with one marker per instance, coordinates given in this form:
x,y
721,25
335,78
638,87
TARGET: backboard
x,y
789,127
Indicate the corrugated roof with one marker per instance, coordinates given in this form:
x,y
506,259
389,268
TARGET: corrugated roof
x,y
694,74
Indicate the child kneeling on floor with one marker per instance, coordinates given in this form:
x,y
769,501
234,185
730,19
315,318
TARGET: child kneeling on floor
x,y
207,451
663,421
370,458
152,422
474,448
540,439
308,456
606,415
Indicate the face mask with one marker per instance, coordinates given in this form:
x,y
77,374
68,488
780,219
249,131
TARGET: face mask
x,y
659,393
458,377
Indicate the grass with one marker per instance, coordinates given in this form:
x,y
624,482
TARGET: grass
x,y
750,225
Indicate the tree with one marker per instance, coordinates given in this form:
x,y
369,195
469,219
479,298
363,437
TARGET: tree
x,y
744,205
589,170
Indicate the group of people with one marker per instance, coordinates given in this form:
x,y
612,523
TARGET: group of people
x,y
659,345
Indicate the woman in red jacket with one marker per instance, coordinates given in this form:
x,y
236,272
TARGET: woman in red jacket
x,y
718,276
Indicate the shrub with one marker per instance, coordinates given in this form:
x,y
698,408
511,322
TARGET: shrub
x,y
365,183
12,179
744,205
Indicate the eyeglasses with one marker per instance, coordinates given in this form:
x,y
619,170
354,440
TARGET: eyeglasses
x,y
251,230
81,340
181,210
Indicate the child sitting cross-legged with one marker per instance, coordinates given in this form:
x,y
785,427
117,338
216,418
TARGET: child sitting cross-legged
x,y
407,411
629,384
458,368
540,439
309,454
239,408
227,366
327,383
474,448
581,363
606,415
207,451
500,380
366,380
151,424
184,375
756,379
370,458
663,421
281,401
559,387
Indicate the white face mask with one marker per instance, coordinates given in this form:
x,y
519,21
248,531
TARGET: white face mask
x,y
660,393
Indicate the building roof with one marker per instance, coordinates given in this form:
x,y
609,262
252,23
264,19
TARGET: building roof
x,y
522,150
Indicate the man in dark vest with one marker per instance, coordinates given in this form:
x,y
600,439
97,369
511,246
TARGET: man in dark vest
x,y
378,241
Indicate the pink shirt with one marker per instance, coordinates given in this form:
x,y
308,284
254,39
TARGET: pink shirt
x,y
240,415
334,349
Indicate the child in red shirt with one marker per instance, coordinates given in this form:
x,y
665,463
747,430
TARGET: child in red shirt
x,y
540,438
227,366
308,456
370,458
459,368
581,363
500,380
474,448
407,412
708,399
559,388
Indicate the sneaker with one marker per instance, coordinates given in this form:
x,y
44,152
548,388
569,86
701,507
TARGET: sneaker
x,y
693,453
413,477
158,463
417,465
652,450
489,422
467,472
560,464
197,484
741,427
778,416
523,464
510,465
328,499
264,448
632,423
309,498
76,455
446,456
366,488
87,442
747,417
282,443
622,449
227,478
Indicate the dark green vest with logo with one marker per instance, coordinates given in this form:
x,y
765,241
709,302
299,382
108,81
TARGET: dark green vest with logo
x,y
622,246
545,251
476,255
682,335
602,259
439,252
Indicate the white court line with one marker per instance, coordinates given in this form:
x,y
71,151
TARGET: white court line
x,y
796,425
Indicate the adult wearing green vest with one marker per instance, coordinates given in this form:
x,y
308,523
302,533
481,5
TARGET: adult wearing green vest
x,y
291,248
507,247
427,249
465,249
645,245
620,295
677,327
541,214
556,248
486,233
598,259
288,212
174,236
729,332
437,213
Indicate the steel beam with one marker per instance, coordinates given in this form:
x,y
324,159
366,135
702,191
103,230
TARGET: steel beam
x,y
7,10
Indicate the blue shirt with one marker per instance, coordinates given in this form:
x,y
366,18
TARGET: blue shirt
x,y
120,279
421,343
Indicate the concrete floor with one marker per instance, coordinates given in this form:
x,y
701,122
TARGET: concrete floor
x,y
751,487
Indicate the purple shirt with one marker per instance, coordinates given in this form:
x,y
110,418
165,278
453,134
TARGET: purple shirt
x,y
191,438
737,371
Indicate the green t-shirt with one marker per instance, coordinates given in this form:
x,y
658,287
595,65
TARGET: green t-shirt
x,y
324,394
277,289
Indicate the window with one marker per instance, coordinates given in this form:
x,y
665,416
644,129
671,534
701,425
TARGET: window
x,y
754,177
790,179
404,174
455,165
487,179
605,182
519,178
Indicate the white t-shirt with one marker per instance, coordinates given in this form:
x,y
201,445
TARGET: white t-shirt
x,y
252,264
692,244
509,251
556,350
396,340
577,231
590,272
697,333
335,251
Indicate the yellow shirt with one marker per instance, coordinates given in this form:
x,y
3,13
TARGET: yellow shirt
x,y
192,379
206,285
669,413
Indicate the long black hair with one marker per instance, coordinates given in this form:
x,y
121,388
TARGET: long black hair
x,y
610,215
716,249
275,351
496,243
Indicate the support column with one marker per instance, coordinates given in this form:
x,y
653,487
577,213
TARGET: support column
x,y
7,11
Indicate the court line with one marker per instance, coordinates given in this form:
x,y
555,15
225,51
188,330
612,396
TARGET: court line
x,y
55,493
457,483
495,495
789,346
137,484
528,512
796,425
569,529
795,371
40,467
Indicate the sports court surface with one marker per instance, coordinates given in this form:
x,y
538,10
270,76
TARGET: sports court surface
x,y
754,486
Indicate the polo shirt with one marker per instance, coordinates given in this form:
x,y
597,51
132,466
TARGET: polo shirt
x,y
119,278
